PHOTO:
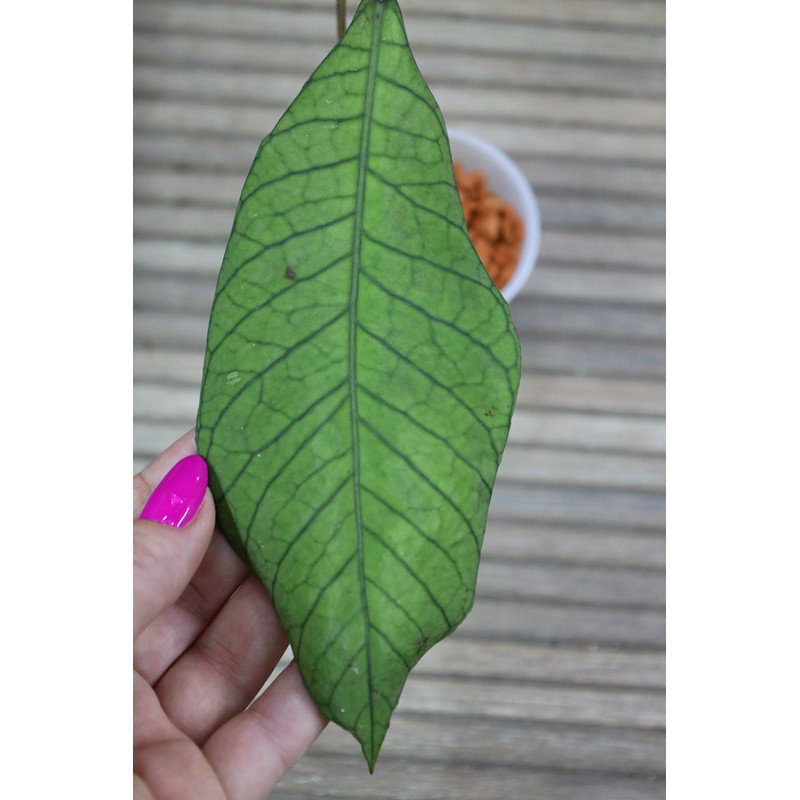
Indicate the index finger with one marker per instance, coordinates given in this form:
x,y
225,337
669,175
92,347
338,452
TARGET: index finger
x,y
145,481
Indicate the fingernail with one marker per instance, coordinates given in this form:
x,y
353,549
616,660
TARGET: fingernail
x,y
177,498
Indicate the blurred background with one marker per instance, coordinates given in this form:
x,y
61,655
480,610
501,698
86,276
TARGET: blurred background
x,y
554,686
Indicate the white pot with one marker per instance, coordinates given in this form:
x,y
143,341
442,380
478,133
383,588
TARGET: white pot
x,y
505,179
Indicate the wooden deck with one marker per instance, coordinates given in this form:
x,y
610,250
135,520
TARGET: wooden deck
x,y
554,686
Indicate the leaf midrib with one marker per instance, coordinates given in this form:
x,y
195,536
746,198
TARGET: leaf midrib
x,y
363,157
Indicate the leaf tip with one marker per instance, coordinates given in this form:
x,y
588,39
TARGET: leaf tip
x,y
371,748
372,758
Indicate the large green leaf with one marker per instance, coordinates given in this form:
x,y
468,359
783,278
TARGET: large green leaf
x,y
360,375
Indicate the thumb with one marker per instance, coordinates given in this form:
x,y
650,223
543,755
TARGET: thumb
x,y
170,538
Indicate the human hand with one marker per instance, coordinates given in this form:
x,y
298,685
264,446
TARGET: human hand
x,y
205,640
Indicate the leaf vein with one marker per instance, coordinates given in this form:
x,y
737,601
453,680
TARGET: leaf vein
x,y
446,323
264,246
298,535
433,542
423,477
275,439
429,431
436,382
419,206
268,301
321,593
261,374
413,574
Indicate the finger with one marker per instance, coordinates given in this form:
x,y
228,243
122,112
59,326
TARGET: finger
x,y
255,749
174,768
219,575
223,671
147,480
168,764
165,762
164,559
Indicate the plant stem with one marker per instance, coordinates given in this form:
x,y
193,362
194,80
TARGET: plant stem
x,y
340,14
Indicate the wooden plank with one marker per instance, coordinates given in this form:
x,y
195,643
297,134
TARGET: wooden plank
x,y
508,621
605,285
562,203
540,317
205,151
157,329
192,296
487,660
198,222
580,357
589,544
568,392
342,775
530,428
440,68
521,140
164,402
602,179
222,87
493,36
640,708
538,504
642,13
517,138
549,282
554,582
579,506
592,358
251,87
566,305
577,42
220,153
506,539
173,367
560,210
443,32
200,260
592,247
170,186
508,743
201,226
593,394
581,468
539,70
152,437
181,116
591,212
588,431
556,683
196,259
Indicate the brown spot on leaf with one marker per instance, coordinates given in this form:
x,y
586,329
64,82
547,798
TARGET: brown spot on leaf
x,y
290,273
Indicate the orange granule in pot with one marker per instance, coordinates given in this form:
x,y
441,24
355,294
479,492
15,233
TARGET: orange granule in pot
x,y
494,226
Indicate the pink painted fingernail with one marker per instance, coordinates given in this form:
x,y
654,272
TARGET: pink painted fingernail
x,y
177,498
